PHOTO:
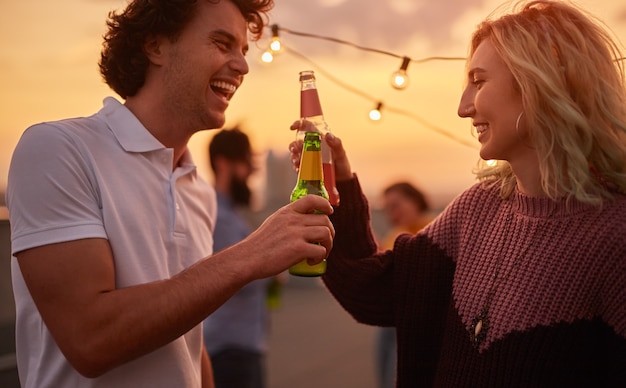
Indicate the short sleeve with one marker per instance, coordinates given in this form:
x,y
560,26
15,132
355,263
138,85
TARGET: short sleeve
x,y
52,193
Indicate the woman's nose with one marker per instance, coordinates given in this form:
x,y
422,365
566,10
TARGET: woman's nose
x,y
466,111
466,105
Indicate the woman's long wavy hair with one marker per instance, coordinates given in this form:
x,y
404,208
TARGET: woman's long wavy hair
x,y
570,74
123,63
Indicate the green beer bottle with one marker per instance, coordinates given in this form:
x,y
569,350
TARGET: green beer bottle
x,y
310,181
311,112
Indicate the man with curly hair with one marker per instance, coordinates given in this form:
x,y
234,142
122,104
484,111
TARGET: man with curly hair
x,y
112,265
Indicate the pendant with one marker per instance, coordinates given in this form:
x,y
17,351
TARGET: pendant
x,y
478,330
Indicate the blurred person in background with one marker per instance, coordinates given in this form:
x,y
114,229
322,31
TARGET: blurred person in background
x,y
235,335
407,211
520,281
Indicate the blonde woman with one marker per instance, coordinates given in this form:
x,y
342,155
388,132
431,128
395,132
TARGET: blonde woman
x,y
521,281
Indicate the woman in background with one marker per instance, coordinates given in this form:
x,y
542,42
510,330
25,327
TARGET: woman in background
x,y
407,211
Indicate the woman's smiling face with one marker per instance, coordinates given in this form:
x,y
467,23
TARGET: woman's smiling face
x,y
494,104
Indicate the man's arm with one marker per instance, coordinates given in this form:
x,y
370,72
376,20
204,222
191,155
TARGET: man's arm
x,y
98,326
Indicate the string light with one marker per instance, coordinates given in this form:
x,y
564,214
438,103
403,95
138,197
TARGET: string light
x,y
275,44
376,114
399,78
267,57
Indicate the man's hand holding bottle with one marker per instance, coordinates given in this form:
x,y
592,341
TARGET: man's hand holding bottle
x,y
298,231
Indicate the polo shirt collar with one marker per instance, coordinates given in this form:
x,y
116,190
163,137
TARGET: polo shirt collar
x,y
127,129
187,164
133,136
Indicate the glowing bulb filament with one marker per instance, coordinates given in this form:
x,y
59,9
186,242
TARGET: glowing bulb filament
x,y
375,114
267,57
275,44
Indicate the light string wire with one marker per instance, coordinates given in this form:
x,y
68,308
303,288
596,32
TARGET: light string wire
x,y
366,96
363,48
374,50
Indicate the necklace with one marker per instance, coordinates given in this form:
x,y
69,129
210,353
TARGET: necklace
x,y
480,323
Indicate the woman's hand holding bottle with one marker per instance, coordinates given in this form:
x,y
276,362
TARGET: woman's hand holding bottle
x,y
341,163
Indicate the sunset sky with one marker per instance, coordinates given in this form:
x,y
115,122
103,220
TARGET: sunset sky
x,y
50,49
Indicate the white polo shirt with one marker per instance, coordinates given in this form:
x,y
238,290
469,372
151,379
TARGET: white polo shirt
x,y
106,176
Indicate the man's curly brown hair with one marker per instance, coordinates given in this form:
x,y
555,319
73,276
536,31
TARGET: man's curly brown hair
x,y
123,63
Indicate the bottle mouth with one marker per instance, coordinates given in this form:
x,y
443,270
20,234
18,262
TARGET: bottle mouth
x,y
306,75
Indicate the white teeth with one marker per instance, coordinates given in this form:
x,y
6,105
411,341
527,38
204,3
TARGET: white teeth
x,y
224,85
481,128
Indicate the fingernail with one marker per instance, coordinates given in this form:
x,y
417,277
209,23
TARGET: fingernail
x,y
330,136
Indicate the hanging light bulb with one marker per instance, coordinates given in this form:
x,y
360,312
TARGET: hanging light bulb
x,y
275,44
375,114
267,56
273,48
399,78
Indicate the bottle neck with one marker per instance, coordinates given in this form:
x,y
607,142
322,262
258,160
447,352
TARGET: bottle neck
x,y
310,103
311,159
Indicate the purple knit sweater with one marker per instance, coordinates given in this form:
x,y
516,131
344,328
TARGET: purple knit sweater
x,y
557,315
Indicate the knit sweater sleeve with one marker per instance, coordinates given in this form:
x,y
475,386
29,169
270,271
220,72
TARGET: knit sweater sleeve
x,y
357,276
369,283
